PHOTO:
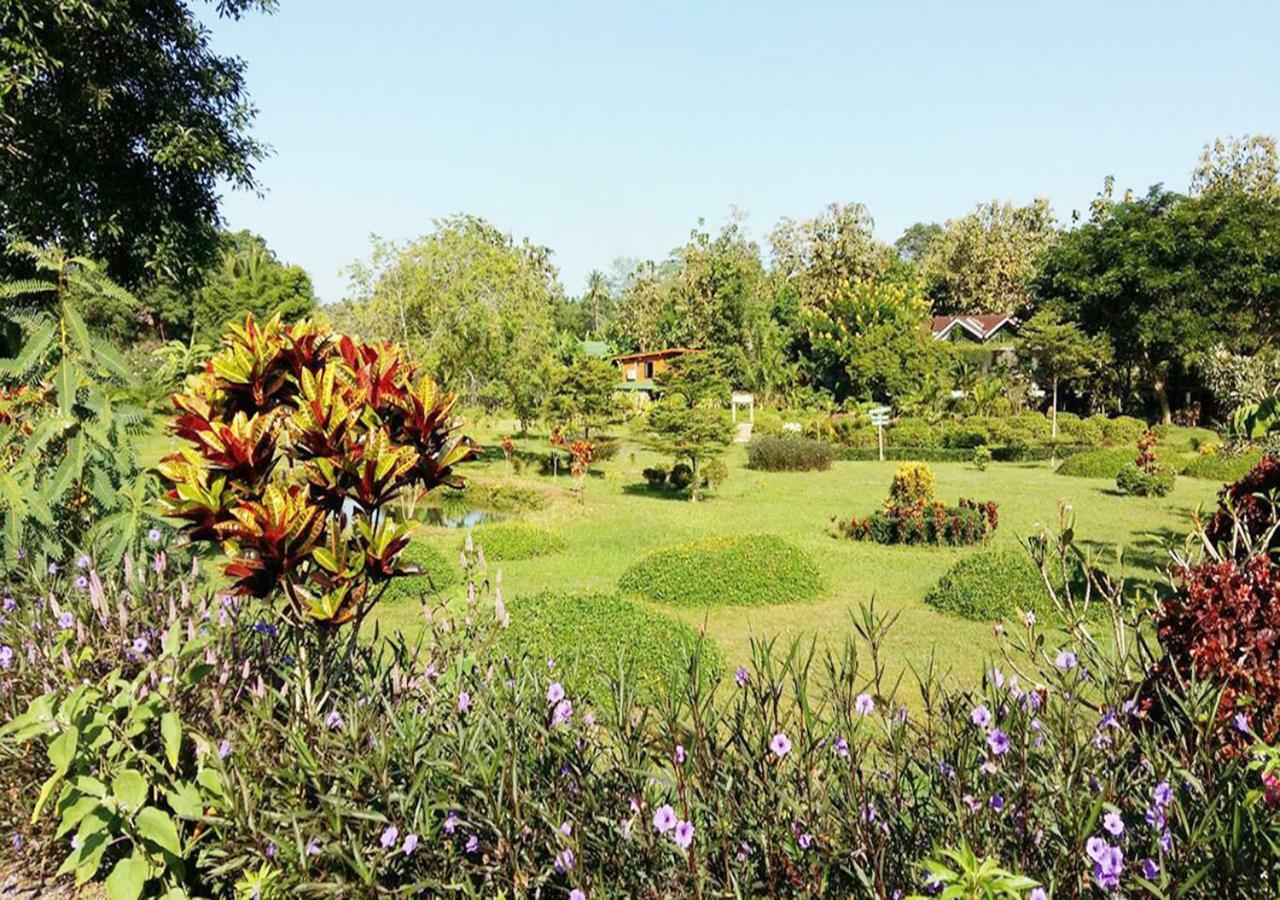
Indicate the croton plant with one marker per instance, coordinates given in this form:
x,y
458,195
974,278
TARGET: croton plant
x,y
298,442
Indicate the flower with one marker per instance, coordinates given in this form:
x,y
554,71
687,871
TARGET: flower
x,y
473,844
154,535
410,844
1029,619
83,561
313,847
562,713
998,742
139,645
1162,795
271,850
464,701
1095,847
981,716
451,823
1150,870
66,619
1241,721
684,834
577,894
780,745
334,721
565,860
389,837
841,747
997,802
1037,894
53,568
224,749
555,693
6,656
864,705
82,583
1107,868
1113,824
680,754
1065,660
9,603
664,819
741,676
805,841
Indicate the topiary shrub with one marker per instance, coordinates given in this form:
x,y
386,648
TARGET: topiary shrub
x,y
1122,430
593,638
436,572
1140,482
1222,466
655,476
681,476
912,485
981,457
516,540
911,433
742,570
936,523
992,584
1103,463
714,473
788,454
965,437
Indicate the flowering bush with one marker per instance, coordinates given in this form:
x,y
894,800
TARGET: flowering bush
x,y
299,442
1145,477
912,486
912,516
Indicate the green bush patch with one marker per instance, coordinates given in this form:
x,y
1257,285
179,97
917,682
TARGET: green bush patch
x,y
516,540
594,637
788,454
992,584
507,498
1222,466
438,573
1105,463
743,570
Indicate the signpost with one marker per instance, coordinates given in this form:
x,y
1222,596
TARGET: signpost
x,y
879,416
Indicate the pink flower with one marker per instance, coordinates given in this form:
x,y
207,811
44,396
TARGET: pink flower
x,y
684,834
780,745
864,704
664,819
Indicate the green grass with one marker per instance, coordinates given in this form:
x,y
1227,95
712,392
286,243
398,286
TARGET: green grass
x,y
505,541
733,570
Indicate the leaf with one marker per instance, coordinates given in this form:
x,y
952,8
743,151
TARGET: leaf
x,y
171,731
185,801
130,789
157,828
62,751
127,878
74,814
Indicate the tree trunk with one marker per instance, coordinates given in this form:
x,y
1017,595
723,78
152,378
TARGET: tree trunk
x,y
693,485
1055,406
1162,397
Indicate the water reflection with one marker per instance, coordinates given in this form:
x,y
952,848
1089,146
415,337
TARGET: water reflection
x,y
464,517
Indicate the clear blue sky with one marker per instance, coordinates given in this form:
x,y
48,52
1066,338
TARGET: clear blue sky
x,y
607,132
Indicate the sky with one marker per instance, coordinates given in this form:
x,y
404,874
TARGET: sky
x,y
607,130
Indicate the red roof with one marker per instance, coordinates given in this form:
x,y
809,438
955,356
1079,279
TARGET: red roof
x,y
980,326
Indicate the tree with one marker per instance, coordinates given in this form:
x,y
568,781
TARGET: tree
x,y
118,125
822,256
249,278
690,422
1056,350
987,261
582,396
1166,278
1248,164
916,240
597,303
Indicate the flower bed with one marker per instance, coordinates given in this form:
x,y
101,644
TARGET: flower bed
x,y
911,515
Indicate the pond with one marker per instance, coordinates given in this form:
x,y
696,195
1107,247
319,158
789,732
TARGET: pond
x,y
457,516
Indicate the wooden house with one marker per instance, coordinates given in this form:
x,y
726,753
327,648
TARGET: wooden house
x,y
638,370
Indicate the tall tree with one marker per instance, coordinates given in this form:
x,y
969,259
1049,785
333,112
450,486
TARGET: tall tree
x,y
690,422
597,303
916,240
1248,164
987,261
118,122
1056,351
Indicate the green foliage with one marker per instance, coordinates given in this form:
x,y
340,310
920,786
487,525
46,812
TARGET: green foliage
x,y
435,573
1102,463
961,875
993,584
740,570
121,127
515,540
788,454
1055,351
1222,466
582,395
1142,482
692,434
981,457
597,639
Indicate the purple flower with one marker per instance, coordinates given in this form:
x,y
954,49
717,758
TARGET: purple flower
x,y
577,894
1113,824
555,692
741,676
334,721
473,845
154,535
868,812
389,837
680,754
464,701
1241,722
451,823
313,847
981,716
1166,841
1095,847
16,841
562,713
1107,868
224,749
271,850
53,568
410,844
9,603
841,747
864,705
565,860
82,583
1150,870
139,645
1162,794
664,819
997,802
684,834
66,619
1037,894
1066,660
998,742
780,745
6,656
805,841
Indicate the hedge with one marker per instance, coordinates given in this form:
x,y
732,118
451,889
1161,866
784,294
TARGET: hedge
x,y
1103,463
788,454
438,573
1023,453
516,540
740,570
1222,466
592,637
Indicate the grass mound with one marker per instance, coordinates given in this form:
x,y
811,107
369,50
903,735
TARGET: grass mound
x,y
516,540
1222,466
744,570
438,573
594,637
993,584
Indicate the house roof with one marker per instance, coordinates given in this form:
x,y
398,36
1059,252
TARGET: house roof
x,y
654,354
981,327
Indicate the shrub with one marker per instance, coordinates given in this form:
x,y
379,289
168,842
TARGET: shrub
x,y
1135,480
516,540
436,572
935,523
606,448
501,497
1221,466
912,485
788,454
1080,431
1104,463
993,584
911,433
965,437
981,457
655,476
742,570
681,476
1249,508
594,638
901,454
1122,430
714,473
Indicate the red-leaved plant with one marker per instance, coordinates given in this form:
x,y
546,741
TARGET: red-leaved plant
x,y
298,441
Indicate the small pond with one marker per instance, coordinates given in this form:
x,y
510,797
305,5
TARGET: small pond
x,y
457,516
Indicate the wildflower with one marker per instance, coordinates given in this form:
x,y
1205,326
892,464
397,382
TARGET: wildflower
x,y
1095,847
998,742
680,754
83,561
997,677
389,837
1029,619
805,841
464,701
997,802
1150,870
82,583
9,603
271,850
313,847
864,704
551,663
841,747
981,716
684,834
265,628
6,656
589,719
1037,894
139,646
1113,823
565,860
66,619
53,568
1241,722
562,713
744,852
1107,868
473,845
451,823
16,841
741,676
154,535
1066,660
868,812
410,844
334,721
780,745
1162,795
1166,841
566,828
577,894
224,749
664,819
555,693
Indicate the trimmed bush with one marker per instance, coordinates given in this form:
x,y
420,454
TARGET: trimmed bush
x,y
516,540
995,583
681,476
965,437
1103,463
438,573
501,497
741,570
656,476
1222,466
714,473
593,638
911,433
1135,480
788,454
903,454
1122,430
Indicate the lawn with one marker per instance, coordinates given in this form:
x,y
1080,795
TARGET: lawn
x,y
619,521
